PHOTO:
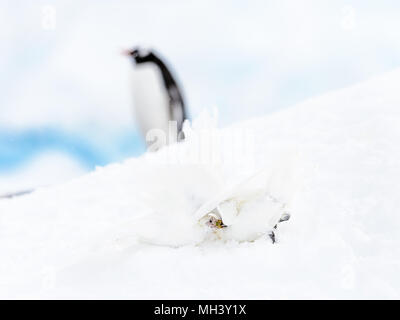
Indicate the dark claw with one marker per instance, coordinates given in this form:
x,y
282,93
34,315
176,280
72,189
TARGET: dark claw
x,y
285,217
272,236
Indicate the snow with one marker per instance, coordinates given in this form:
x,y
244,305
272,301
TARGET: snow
x,y
129,230
44,170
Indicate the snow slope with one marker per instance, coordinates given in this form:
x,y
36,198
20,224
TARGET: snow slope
x,y
129,230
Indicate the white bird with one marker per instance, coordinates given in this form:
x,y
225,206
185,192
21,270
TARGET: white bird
x,y
159,104
244,211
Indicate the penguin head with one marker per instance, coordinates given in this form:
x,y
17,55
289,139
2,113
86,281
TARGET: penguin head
x,y
138,54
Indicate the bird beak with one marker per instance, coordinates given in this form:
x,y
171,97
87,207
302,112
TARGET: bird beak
x,y
219,224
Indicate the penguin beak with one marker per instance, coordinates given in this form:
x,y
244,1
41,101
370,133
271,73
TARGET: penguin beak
x,y
126,52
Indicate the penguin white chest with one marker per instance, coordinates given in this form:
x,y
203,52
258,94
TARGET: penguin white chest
x,y
151,100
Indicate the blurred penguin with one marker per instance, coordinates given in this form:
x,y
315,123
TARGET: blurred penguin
x,y
159,104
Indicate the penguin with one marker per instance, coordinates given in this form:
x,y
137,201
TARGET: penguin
x,y
158,100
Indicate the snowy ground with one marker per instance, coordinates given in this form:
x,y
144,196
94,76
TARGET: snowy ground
x,y
128,230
